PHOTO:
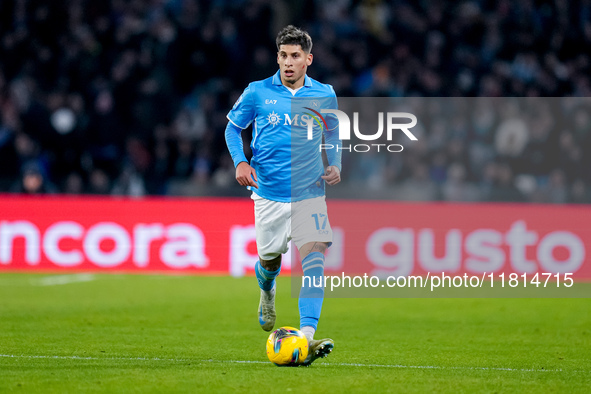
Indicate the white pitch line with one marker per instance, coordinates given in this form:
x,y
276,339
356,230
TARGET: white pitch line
x,y
441,367
266,362
63,279
93,358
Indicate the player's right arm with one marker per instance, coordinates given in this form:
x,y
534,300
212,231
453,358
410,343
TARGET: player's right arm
x,y
240,117
245,174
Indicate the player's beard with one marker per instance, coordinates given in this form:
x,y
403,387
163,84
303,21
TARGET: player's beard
x,y
293,79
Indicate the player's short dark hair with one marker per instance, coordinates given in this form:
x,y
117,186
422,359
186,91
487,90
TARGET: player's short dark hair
x,y
291,35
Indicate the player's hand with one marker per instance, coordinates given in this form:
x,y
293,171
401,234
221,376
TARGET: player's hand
x,y
332,175
246,175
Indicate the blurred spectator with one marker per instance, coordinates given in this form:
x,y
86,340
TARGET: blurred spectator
x,y
225,174
419,187
503,188
579,193
74,184
184,162
129,183
456,188
553,190
33,181
99,182
512,135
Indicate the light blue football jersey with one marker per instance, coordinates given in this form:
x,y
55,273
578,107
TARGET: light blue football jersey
x,y
286,152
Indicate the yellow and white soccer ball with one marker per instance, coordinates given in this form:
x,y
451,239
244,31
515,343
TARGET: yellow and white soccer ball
x,y
287,346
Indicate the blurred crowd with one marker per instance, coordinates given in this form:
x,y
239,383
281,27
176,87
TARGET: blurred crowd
x,y
129,97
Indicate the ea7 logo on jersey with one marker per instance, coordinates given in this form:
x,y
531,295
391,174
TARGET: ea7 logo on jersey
x,y
268,101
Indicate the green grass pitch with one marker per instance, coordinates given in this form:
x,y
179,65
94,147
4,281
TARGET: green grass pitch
x,y
163,334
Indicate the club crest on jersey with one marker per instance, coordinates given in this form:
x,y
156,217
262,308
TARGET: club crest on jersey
x,y
274,118
238,101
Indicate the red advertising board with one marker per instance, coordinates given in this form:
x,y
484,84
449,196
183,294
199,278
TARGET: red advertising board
x,y
386,238
106,234
216,236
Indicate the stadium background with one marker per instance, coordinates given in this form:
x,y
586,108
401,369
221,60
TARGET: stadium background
x,y
130,97
105,100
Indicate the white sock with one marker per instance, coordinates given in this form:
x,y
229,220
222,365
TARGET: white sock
x,y
308,332
269,293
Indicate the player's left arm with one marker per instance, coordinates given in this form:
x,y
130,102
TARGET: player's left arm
x,y
332,174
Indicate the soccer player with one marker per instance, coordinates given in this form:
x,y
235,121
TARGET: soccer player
x,y
287,176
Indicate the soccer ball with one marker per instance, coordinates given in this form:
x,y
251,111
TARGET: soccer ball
x,y
287,346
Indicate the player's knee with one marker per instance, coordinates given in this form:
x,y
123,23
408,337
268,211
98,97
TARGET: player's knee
x,y
319,247
272,264
312,247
